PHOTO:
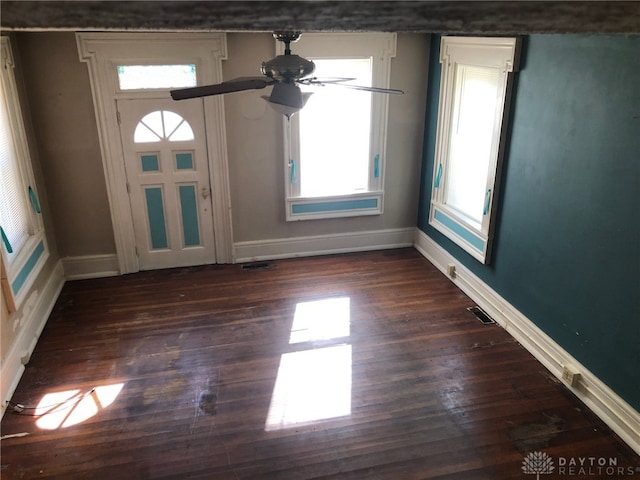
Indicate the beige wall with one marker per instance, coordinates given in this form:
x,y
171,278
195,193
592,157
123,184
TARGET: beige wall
x,y
59,95
64,120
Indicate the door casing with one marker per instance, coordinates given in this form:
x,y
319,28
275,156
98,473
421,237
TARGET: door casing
x,y
103,52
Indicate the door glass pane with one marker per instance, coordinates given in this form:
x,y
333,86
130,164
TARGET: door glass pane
x,y
154,122
162,125
144,135
154,197
171,122
150,162
189,211
184,161
182,134
472,122
139,77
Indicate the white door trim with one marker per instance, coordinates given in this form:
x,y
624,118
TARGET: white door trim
x,y
102,52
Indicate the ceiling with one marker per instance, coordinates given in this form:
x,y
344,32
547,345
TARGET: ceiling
x,y
450,16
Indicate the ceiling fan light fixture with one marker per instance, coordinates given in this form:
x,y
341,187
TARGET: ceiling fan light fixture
x,y
287,98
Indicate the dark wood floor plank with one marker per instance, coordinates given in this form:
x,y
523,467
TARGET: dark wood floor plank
x,y
432,393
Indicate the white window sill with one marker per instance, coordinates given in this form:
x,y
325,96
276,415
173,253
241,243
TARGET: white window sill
x,y
24,269
472,240
355,205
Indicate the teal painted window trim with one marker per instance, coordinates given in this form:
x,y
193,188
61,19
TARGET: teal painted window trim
x,y
436,184
34,200
5,240
26,270
149,163
333,206
189,209
155,213
184,161
464,233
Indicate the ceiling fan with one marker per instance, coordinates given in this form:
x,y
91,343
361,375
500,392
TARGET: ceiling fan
x,y
285,73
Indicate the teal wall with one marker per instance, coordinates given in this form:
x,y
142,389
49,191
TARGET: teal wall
x,y
567,246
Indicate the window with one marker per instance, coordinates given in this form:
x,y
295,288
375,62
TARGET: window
x,y
162,125
474,91
23,246
142,77
335,146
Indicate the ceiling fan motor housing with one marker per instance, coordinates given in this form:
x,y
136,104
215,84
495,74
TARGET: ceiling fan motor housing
x,y
288,68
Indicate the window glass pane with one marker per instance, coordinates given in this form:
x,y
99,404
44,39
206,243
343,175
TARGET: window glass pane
x,y
137,77
154,122
182,134
472,123
14,213
171,122
143,134
150,163
184,161
162,125
335,128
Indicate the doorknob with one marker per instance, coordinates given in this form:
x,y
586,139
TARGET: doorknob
x,y
205,192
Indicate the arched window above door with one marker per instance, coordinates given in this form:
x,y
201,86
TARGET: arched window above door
x,y
162,125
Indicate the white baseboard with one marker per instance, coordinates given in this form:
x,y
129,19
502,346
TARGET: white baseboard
x,y
621,417
322,244
33,322
90,266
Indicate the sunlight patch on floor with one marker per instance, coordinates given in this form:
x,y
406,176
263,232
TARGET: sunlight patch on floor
x,y
321,320
71,407
314,384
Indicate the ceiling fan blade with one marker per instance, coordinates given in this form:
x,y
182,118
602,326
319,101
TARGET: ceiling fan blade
x,y
235,85
322,81
392,91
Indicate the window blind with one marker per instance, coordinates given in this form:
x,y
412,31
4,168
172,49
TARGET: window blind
x,y
14,214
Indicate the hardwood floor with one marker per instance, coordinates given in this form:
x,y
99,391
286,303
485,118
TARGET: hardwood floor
x,y
357,366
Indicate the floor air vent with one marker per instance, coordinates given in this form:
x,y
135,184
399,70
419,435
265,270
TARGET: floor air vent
x,y
254,266
481,315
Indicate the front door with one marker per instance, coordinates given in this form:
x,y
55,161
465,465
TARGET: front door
x,y
165,155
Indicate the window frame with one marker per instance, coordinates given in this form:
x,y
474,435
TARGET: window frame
x,y
20,268
496,53
381,48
